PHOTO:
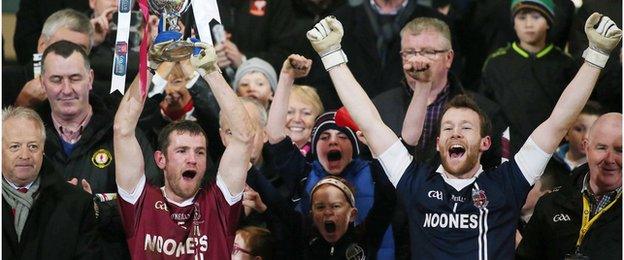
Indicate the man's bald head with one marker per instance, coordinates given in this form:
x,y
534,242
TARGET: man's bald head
x,y
604,153
610,122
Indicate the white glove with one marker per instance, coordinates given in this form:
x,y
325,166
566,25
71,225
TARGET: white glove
x,y
205,61
601,40
325,39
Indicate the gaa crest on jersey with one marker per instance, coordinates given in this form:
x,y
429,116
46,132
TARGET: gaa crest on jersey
x,y
355,252
479,199
101,158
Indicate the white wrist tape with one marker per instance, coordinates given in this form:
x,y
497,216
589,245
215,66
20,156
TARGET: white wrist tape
x,y
193,79
159,85
595,57
334,59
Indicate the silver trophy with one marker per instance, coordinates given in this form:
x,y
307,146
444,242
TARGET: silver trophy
x,y
170,12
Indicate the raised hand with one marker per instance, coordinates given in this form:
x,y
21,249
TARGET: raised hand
x,y
325,38
205,61
297,66
31,94
233,54
418,68
100,25
252,201
602,39
222,59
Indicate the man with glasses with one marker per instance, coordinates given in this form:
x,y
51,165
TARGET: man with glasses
x,y
431,39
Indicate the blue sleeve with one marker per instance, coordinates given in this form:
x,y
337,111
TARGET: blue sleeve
x,y
288,162
409,183
509,176
281,218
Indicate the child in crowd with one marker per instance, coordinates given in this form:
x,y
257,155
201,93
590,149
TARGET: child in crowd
x,y
253,243
257,79
527,77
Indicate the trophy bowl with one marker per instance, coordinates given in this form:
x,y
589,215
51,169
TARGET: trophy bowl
x,y
170,12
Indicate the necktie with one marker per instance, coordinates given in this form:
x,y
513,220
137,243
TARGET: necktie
x,y
22,189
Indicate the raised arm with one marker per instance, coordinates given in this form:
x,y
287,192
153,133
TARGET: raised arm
x,y
417,109
130,166
295,66
235,160
325,37
601,41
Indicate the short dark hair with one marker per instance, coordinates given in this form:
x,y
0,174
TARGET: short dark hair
x,y
65,49
259,241
465,101
182,126
592,108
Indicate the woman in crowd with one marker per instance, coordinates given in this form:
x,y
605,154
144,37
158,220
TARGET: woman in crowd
x,y
295,108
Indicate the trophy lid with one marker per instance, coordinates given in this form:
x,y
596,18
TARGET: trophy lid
x,y
169,6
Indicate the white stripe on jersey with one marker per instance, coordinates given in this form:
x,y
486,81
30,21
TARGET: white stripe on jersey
x,y
480,243
483,229
485,247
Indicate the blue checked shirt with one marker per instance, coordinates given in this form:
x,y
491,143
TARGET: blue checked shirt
x,y
597,203
432,119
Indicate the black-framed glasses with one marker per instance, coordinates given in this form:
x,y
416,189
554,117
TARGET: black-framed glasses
x,y
236,249
429,54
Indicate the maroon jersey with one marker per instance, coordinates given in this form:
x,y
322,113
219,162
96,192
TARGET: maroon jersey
x,y
159,229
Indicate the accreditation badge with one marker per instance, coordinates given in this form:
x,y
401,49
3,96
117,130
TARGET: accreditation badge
x,y
101,158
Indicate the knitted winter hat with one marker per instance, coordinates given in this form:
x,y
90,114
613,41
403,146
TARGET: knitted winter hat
x,y
259,65
327,121
544,7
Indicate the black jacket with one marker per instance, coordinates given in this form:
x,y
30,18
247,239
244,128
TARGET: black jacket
x,y
294,169
376,69
93,159
307,14
554,227
488,25
266,36
206,112
60,225
14,77
348,246
525,86
608,90
30,19
393,104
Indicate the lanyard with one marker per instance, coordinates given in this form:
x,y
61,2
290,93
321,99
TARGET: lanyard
x,y
586,224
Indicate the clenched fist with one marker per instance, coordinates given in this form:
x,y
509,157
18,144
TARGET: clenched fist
x,y
297,66
418,69
601,39
325,38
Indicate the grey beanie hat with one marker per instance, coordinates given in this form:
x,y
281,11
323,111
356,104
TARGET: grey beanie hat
x,y
259,65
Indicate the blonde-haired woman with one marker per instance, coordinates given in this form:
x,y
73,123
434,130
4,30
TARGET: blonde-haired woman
x,y
295,107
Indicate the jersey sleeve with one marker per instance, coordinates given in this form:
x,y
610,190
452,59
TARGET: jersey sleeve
x,y
227,205
395,161
532,161
130,205
288,162
227,195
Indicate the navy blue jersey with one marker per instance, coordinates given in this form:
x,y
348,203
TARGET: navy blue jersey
x,y
476,222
